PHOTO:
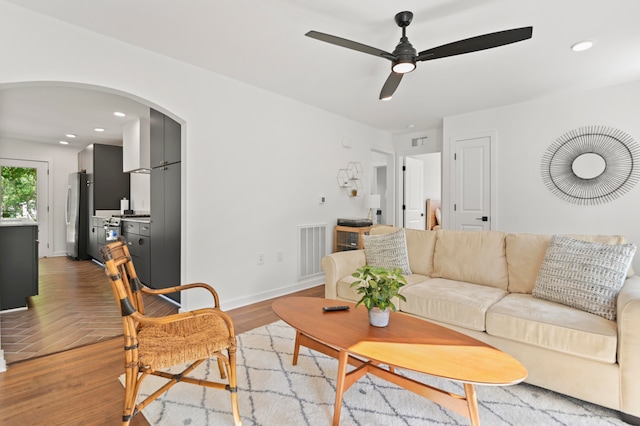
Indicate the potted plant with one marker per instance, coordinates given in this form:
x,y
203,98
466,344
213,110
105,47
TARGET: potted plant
x,y
378,286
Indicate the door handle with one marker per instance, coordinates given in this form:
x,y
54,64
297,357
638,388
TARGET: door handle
x,y
483,218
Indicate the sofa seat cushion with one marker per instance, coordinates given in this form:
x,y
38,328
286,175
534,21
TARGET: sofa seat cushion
x,y
452,302
345,291
538,322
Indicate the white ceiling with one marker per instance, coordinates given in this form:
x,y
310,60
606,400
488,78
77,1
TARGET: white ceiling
x,y
262,43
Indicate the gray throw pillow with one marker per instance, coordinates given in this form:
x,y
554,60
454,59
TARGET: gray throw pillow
x,y
584,275
387,251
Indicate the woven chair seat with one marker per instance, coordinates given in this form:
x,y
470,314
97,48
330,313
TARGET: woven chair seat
x,y
181,342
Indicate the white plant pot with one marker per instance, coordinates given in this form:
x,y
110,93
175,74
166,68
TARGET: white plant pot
x,y
378,317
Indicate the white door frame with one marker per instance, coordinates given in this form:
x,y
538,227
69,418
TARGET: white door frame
x,y
448,219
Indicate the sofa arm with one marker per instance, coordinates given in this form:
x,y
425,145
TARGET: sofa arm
x,y
628,307
339,265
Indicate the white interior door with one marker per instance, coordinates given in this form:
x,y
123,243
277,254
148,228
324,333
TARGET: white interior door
x,y
41,211
414,194
472,183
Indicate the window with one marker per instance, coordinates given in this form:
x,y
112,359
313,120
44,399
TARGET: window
x,y
18,186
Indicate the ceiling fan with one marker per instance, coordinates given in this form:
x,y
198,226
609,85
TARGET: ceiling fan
x,y
405,56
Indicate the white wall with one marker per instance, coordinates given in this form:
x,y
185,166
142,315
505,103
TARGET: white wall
x,y
524,132
62,161
253,165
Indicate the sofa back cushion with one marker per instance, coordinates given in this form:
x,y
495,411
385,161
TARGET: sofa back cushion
x,y
420,247
472,256
525,253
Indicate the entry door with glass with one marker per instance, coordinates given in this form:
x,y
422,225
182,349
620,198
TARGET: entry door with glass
x,y
23,196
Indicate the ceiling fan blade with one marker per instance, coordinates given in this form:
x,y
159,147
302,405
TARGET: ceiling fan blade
x,y
474,44
390,85
343,42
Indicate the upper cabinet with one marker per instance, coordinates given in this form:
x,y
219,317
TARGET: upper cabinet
x,y
107,183
136,146
165,136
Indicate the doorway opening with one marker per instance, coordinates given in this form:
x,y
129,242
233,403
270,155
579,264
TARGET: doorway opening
x,y
382,184
421,181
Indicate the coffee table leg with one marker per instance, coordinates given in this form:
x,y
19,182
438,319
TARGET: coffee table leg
x,y
296,349
343,359
472,402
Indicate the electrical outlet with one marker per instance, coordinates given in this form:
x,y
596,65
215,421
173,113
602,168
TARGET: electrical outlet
x,y
280,255
260,258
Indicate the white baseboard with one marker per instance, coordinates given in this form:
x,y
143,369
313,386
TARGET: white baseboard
x,y
282,291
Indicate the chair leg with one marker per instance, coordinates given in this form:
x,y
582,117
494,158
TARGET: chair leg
x,y
130,393
223,374
233,386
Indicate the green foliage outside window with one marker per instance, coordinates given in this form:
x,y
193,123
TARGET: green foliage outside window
x,y
18,186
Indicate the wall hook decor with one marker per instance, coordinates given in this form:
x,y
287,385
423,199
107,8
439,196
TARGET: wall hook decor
x,y
591,165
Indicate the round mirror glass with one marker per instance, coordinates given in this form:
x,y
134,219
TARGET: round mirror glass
x,y
588,165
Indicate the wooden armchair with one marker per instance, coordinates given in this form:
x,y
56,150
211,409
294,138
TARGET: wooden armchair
x,y
153,344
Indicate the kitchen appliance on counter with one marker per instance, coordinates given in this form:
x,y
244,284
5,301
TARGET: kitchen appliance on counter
x,y
112,229
77,216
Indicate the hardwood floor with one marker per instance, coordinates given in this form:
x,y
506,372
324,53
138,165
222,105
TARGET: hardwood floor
x,y
75,307
80,386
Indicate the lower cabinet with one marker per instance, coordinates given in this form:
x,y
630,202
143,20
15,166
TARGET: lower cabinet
x,y
18,265
138,237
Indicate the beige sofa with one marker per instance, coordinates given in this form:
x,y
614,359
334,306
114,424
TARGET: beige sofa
x,y
480,283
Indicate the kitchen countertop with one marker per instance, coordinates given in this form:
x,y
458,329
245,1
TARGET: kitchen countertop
x,y
17,222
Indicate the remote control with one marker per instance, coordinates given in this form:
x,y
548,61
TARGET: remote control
x,y
335,308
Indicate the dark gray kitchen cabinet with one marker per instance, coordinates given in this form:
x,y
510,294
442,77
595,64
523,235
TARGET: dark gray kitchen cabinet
x,y
137,234
165,202
95,224
18,265
165,136
107,183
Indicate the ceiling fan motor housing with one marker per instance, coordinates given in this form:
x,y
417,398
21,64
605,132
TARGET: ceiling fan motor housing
x,y
403,19
405,53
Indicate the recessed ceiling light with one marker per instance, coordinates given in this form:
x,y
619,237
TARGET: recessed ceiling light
x,y
99,129
410,126
582,46
119,114
64,143
70,135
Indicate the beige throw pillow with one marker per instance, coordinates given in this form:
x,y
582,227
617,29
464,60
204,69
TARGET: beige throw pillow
x,y
584,275
387,251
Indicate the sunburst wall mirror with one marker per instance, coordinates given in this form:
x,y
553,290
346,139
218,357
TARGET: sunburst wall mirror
x,y
591,165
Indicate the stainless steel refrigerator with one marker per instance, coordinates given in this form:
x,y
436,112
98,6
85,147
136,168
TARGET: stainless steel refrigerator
x,y
77,216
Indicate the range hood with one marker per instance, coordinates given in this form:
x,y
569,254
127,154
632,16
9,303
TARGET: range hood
x,y
136,146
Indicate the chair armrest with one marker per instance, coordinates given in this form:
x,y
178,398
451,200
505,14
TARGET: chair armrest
x,y
339,265
184,287
628,306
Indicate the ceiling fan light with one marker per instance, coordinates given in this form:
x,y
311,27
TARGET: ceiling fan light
x,y
403,67
582,46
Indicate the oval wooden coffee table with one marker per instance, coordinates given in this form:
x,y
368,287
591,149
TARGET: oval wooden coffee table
x,y
408,343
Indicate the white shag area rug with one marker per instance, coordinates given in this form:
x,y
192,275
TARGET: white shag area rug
x,y
274,392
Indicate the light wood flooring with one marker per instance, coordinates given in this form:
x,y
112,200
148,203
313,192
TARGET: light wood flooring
x,y
80,386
